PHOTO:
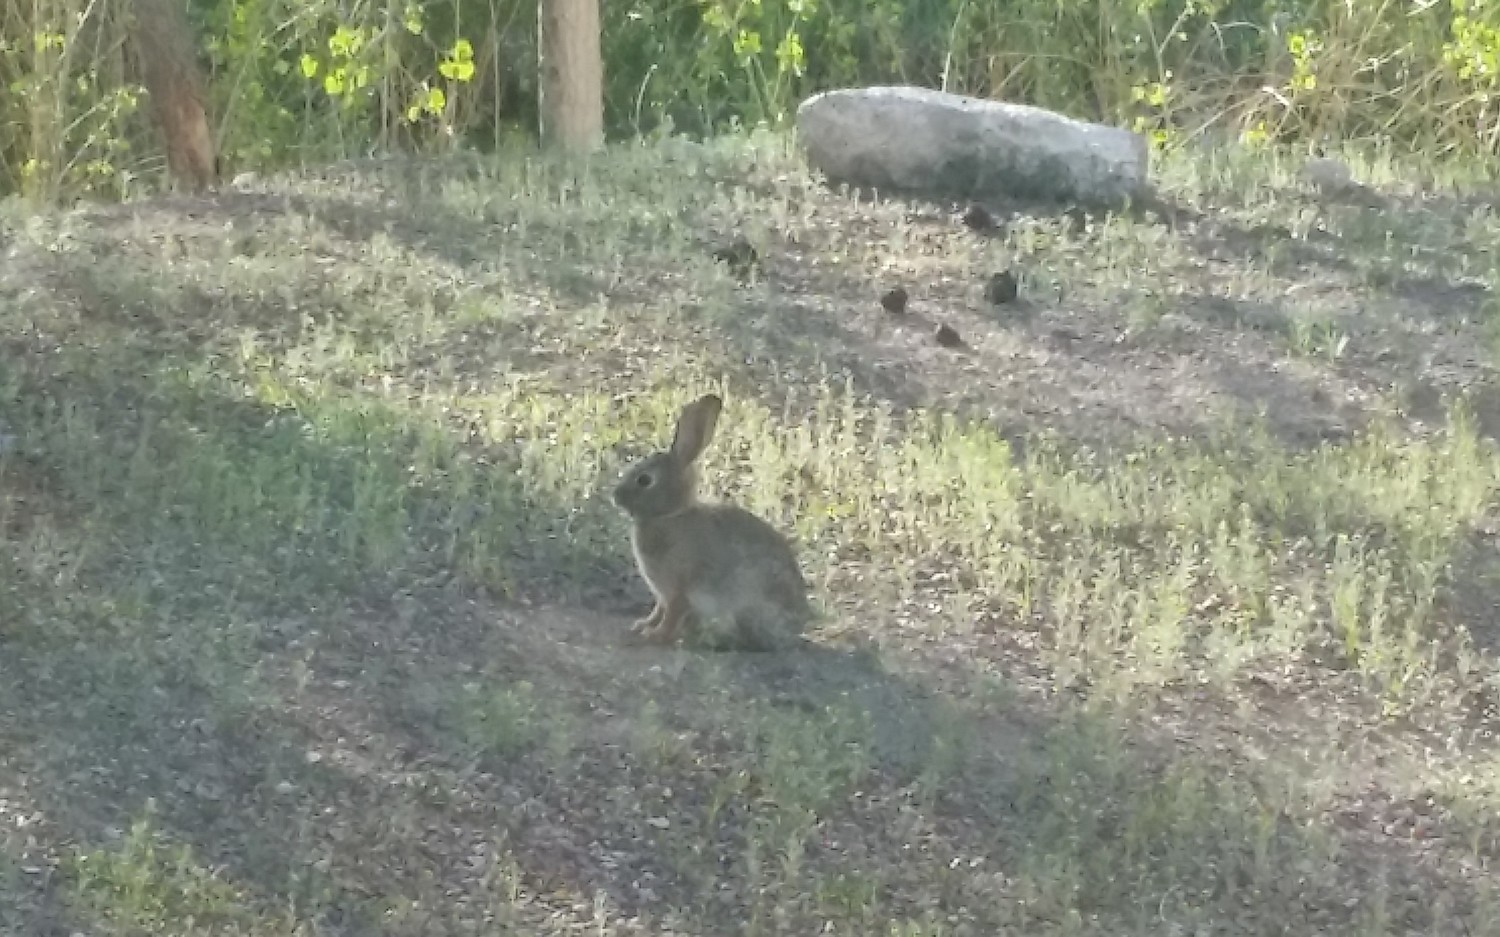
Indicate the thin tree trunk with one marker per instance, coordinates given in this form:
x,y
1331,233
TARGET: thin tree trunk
x,y
167,55
572,74
48,120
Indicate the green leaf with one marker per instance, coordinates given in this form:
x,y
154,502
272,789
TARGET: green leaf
x,y
746,45
309,66
346,42
413,19
456,71
789,54
458,65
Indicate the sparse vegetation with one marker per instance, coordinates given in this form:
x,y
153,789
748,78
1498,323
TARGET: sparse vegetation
x,y
1164,608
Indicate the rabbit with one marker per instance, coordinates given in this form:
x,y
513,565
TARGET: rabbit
x,y
714,568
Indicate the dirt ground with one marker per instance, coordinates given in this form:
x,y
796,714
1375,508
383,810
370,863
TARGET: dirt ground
x,y
204,730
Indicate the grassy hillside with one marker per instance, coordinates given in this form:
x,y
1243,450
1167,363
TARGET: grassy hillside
x,y
1164,605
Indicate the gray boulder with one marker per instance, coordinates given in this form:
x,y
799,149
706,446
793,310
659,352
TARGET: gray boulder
x,y
925,142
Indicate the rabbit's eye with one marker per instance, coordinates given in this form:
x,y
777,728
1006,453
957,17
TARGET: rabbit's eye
x,y
643,481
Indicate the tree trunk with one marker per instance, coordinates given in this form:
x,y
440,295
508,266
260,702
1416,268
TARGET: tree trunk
x,y
572,74
167,55
49,119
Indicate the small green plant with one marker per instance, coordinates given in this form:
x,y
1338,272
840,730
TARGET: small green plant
x,y
508,721
1313,336
146,884
800,764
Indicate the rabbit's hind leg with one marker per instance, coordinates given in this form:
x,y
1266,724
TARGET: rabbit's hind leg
x,y
761,629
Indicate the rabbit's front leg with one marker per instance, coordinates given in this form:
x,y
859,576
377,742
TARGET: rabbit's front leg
x,y
643,625
674,609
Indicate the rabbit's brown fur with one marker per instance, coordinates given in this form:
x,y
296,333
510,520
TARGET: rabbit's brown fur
x,y
715,569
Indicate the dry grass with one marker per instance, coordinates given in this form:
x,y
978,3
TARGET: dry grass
x,y
1164,606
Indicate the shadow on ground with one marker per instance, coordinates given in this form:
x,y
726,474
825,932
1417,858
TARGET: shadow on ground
x,y
351,723
360,777
358,737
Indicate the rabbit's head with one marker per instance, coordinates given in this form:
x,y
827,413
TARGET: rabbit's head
x,y
666,482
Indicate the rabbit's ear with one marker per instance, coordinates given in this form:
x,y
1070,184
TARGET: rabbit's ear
x,y
694,428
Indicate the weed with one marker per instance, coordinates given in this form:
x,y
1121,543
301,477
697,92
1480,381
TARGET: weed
x,y
315,488
145,885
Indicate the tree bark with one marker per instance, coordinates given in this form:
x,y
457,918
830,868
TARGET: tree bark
x,y
167,55
571,83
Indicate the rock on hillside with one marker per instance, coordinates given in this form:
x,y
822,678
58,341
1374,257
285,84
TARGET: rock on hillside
x,y
924,142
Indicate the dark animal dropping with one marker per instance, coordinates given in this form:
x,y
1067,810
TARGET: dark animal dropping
x,y
894,301
1002,288
979,219
740,256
